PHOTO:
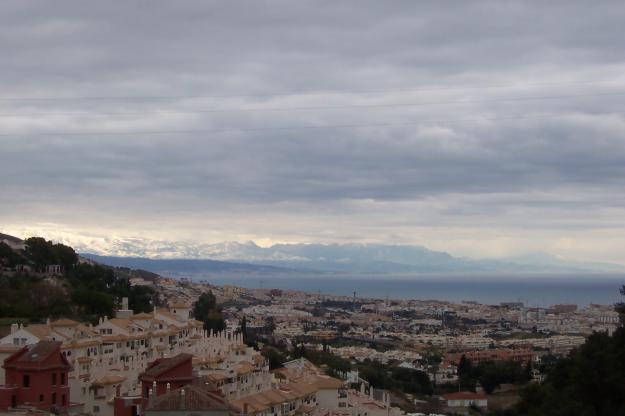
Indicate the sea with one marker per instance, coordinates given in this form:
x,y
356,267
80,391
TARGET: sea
x,y
539,290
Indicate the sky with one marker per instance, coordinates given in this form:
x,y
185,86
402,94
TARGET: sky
x,y
483,128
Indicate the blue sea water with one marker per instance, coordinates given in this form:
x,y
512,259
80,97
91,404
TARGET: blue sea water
x,y
533,290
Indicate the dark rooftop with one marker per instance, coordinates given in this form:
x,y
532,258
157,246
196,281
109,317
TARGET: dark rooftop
x,y
40,351
165,364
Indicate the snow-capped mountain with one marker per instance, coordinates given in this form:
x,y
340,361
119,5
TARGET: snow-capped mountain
x,y
359,258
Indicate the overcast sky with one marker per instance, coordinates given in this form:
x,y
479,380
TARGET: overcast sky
x,y
483,129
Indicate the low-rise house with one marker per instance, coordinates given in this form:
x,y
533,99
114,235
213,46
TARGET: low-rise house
x,y
37,376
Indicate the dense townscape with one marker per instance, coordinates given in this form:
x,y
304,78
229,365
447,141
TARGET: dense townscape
x,y
202,348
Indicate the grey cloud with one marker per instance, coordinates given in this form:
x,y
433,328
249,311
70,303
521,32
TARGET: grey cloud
x,y
551,156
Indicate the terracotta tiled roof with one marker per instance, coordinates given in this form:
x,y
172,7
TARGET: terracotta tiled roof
x,y
244,368
327,382
86,329
39,330
64,323
142,316
169,315
216,376
262,401
108,379
120,323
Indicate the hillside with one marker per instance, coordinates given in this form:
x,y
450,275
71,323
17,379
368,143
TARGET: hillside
x,y
186,267
41,279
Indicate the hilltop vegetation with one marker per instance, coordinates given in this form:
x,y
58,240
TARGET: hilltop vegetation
x,y
44,279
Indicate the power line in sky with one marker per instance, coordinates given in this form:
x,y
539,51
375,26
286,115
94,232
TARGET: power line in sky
x,y
330,107
294,128
308,93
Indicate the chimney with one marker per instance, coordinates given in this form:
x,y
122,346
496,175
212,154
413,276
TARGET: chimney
x,y
154,388
168,387
151,397
182,399
125,303
14,328
47,322
245,408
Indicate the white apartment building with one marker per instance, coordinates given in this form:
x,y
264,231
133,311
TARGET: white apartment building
x,y
108,358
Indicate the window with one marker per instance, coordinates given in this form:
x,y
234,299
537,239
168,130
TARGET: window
x,y
26,381
63,401
62,379
96,409
41,397
54,379
53,398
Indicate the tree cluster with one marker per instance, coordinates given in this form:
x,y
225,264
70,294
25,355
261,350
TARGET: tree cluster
x,y
492,374
406,380
205,309
84,291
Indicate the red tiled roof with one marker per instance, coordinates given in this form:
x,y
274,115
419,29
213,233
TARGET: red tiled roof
x,y
163,365
35,356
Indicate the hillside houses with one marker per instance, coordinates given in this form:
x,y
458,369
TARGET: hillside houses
x,y
107,358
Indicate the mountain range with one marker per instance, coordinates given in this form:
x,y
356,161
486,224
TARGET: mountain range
x,y
234,257
197,259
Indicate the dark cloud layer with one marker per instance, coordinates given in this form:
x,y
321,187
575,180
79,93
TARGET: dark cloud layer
x,y
470,122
